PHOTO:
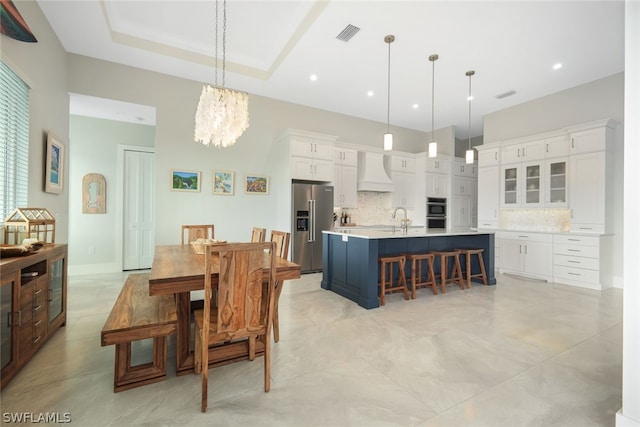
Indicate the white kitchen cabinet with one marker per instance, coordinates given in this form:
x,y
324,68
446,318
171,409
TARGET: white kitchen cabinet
x,y
403,178
345,177
523,152
557,146
464,186
460,211
311,158
440,164
436,185
555,181
589,140
488,156
528,254
521,185
461,168
587,197
576,260
488,196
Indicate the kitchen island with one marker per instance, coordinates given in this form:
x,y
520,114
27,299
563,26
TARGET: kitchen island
x,y
350,265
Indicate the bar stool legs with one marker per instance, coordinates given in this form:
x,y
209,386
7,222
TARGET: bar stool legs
x,y
483,274
456,270
386,283
416,261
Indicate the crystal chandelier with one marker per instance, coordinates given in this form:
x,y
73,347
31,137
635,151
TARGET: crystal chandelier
x,y
222,114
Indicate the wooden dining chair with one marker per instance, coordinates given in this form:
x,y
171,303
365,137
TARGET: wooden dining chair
x,y
195,232
258,235
281,239
244,303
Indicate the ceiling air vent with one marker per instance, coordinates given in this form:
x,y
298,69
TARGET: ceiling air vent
x,y
505,94
348,32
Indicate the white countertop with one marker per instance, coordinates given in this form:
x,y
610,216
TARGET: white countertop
x,y
397,233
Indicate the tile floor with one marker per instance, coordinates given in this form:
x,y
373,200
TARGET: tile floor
x,y
522,353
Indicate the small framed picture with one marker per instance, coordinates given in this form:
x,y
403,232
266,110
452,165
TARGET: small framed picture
x,y
222,182
254,184
185,180
54,168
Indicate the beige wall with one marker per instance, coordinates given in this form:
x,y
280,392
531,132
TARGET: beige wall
x,y
43,67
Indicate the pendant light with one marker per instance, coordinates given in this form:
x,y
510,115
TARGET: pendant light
x,y
469,154
222,114
388,137
433,145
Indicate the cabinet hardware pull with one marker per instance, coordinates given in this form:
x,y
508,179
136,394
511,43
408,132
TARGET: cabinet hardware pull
x,y
525,250
524,237
37,308
37,292
572,146
19,318
547,148
36,340
9,319
575,274
523,152
574,240
49,293
574,262
520,248
37,323
574,250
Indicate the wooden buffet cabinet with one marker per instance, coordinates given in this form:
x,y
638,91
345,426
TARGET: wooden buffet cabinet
x,y
33,305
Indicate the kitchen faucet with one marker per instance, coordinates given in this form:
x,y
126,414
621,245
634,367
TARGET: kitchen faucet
x,y
403,224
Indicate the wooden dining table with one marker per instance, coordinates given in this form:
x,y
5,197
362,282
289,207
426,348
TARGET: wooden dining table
x,y
179,270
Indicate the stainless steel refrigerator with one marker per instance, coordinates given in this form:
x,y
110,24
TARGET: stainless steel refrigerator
x,y
312,212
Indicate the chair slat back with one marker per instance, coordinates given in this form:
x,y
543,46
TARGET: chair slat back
x,y
258,235
244,302
281,239
195,232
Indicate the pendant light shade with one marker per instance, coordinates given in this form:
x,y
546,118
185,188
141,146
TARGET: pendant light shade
x,y
388,137
469,154
433,145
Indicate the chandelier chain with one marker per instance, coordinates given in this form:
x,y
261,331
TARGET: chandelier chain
x,y
388,86
469,100
216,47
224,41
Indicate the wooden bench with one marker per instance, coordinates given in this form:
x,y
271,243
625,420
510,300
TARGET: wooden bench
x,y
136,316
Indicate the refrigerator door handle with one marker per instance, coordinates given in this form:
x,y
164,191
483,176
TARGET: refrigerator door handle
x,y
312,220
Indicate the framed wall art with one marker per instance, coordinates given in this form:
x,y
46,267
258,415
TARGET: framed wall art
x,y
185,180
54,166
94,194
255,184
222,182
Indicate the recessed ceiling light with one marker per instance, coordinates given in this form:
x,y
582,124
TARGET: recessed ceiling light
x,y
370,93
557,66
313,77
415,106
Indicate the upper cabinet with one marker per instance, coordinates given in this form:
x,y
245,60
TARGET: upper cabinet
x,y
311,155
523,152
403,179
345,181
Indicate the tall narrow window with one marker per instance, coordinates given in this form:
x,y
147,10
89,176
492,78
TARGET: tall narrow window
x,y
14,141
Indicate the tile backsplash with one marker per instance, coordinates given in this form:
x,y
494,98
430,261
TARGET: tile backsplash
x,y
373,209
535,219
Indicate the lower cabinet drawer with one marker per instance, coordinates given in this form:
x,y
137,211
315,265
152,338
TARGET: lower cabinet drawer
x,y
570,274
577,250
576,262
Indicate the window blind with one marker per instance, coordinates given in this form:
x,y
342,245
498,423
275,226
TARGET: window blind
x,y
14,140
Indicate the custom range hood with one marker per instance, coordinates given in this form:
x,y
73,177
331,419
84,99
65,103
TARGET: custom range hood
x,y
371,173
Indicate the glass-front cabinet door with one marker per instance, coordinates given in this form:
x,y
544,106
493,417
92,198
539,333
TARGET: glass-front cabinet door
x,y
533,185
56,286
6,320
556,176
510,185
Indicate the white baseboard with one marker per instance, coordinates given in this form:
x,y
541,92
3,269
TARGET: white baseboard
x,y
85,269
622,421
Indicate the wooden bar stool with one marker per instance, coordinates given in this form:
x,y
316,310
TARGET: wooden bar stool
x,y
483,274
386,284
416,261
456,270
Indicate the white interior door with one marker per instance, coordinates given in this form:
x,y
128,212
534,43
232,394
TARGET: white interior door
x,y
139,193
